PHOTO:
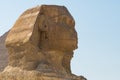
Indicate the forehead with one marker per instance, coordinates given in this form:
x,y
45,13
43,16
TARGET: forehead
x,y
57,14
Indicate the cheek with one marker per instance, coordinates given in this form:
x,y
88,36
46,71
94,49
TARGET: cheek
x,y
63,39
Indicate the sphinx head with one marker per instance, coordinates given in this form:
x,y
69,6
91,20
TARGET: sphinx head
x,y
56,29
43,34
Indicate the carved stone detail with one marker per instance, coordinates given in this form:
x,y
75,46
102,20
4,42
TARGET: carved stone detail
x,y
41,45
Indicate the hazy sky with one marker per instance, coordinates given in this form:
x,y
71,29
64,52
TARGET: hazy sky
x,y
98,27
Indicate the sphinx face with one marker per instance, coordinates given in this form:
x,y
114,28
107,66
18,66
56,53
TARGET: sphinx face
x,y
58,33
63,37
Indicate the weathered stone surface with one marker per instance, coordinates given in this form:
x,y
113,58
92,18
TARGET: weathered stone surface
x,y
3,52
41,44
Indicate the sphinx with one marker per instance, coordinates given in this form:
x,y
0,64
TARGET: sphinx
x,y
41,42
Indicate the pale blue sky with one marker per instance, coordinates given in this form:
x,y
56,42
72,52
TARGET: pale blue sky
x,y
98,27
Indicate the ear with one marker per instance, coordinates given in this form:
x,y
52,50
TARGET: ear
x,y
42,23
44,27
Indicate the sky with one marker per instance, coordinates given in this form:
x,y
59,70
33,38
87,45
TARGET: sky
x,y
98,28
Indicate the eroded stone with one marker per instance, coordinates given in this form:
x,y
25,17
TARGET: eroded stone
x,y
41,45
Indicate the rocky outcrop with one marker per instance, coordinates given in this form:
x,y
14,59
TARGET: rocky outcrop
x,y
41,44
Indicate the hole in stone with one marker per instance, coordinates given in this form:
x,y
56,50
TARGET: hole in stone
x,y
45,26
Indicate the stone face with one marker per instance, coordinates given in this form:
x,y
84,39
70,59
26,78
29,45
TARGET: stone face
x,y
41,45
